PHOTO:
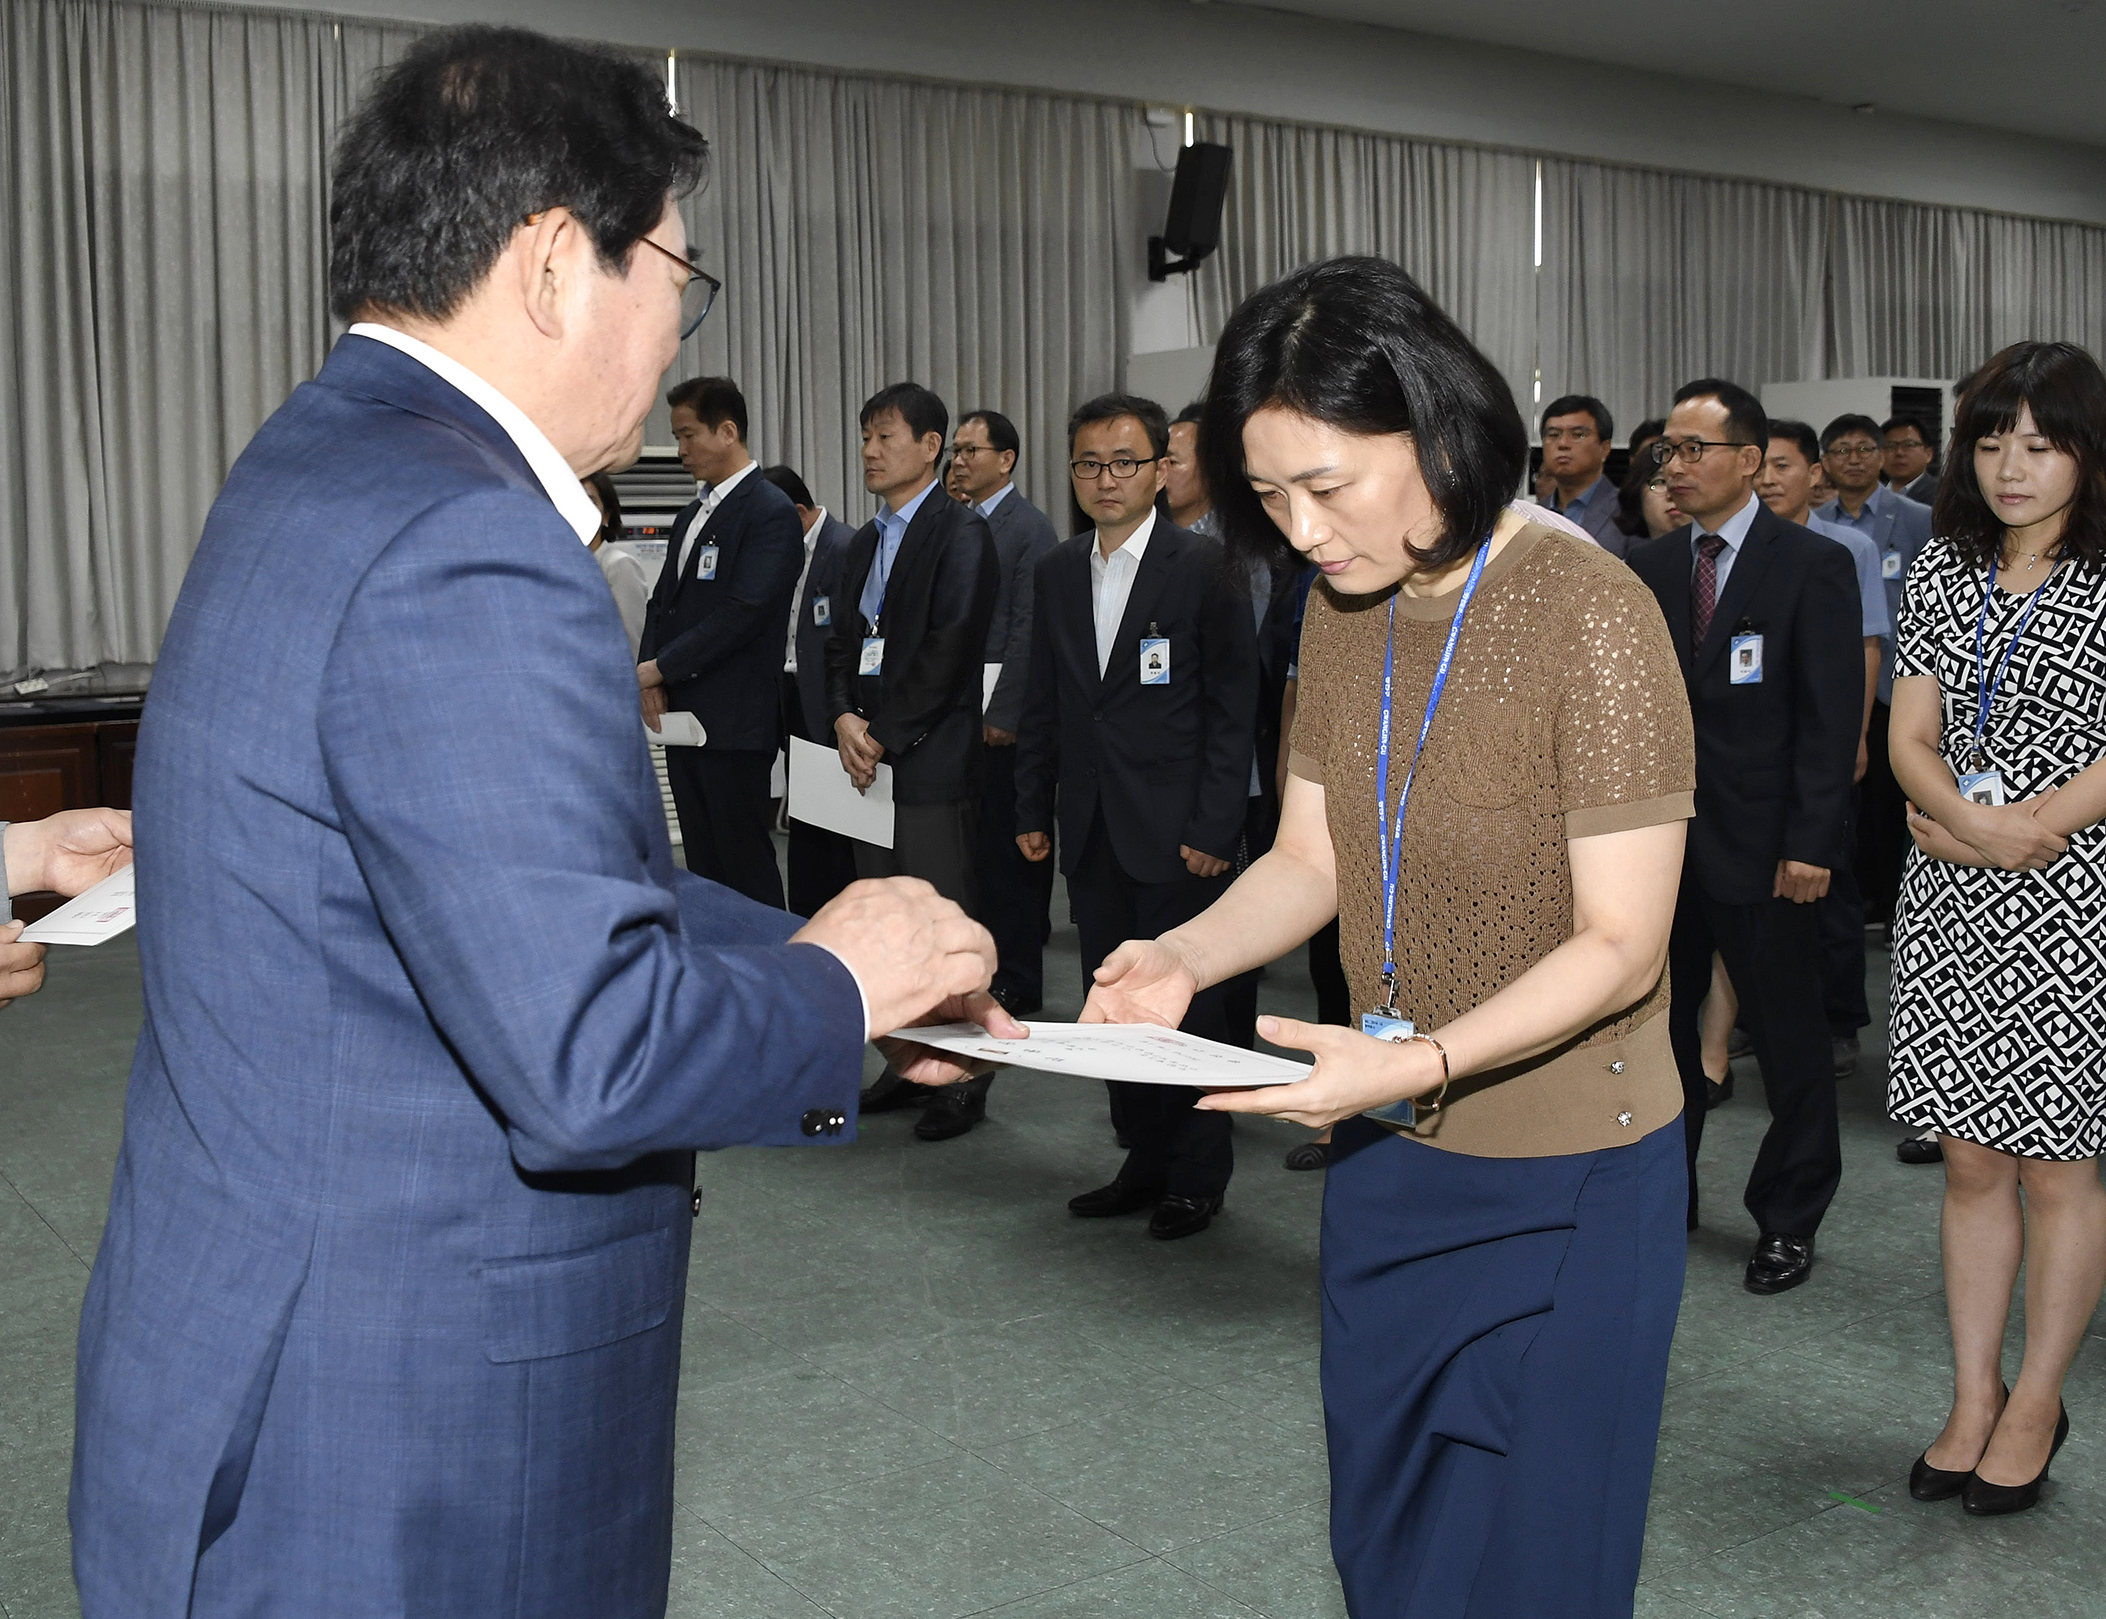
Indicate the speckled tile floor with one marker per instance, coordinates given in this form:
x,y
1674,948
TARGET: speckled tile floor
x,y
978,1405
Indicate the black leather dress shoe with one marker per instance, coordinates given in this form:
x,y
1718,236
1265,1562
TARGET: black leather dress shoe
x,y
1779,1263
1180,1216
1121,1197
953,1110
889,1093
1718,1092
1923,1149
1986,1500
1844,1050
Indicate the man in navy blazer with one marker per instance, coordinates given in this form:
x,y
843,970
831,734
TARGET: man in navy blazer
x,y
822,862
386,1317
709,640
1015,895
1766,620
1139,718
903,682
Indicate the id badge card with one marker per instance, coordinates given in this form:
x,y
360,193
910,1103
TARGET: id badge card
x,y
1890,565
706,563
1155,661
873,656
1983,787
1744,666
1396,1030
822,610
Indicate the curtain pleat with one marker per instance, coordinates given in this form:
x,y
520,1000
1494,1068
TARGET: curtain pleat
x,y
163,193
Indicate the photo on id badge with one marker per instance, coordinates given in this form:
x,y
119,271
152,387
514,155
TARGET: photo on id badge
x,y
1746,666
1984,787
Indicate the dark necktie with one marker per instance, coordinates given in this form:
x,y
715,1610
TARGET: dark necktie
x,y
1704,593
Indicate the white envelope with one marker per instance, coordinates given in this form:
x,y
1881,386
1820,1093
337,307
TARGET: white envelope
x,y
678,729
1139,1053
103,912
822,795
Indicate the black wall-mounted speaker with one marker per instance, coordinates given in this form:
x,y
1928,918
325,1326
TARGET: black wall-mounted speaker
x,y
1193,228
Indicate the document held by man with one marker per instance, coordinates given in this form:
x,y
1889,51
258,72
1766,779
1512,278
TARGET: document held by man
x,y
822,795
1138,1053
677,729
103,912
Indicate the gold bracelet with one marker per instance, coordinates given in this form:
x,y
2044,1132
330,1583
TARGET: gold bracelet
x,y
1440,1095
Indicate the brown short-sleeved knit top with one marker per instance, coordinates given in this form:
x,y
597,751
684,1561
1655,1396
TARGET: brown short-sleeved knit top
x,y
1564,717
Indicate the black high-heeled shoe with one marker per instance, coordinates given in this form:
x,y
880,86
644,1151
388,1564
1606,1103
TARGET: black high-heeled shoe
x,y
1928,1483
1986,1500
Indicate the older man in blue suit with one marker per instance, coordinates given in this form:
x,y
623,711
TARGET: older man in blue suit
x,y
386,1318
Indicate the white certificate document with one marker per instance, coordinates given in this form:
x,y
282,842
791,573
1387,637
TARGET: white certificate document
x,y
103,912
822,795
677,729
1139,1053
989,674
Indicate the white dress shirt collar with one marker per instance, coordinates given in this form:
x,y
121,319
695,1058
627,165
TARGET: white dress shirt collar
x,y
811,535
987,506
542,457
713,496
1111,585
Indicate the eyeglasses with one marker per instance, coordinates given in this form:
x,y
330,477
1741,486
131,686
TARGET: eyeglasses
x,y
1121,467
697,294
1894,444
1691,450
1559,435
960,450
1858,451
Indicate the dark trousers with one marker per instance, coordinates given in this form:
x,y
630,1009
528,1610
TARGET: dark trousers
x,y
1171,1145
1334,1002
1882,828
1016,895
1495,1342
721,797
1843,941
934,842
1772,954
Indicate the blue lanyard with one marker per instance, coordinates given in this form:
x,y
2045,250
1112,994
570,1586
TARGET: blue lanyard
x,y
1392,844
1987,687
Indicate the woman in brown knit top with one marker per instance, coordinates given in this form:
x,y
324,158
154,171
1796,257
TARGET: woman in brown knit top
x,y
1503,1221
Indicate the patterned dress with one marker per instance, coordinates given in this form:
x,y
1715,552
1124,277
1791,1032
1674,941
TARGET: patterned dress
x,y
1999,1023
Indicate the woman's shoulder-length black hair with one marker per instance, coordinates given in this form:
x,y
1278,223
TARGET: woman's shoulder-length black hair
x,y
1355,343
2066,391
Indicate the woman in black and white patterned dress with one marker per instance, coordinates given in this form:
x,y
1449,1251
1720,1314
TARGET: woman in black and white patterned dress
x,y
1999,1026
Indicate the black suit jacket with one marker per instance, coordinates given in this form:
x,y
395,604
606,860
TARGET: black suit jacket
x,y
1167,765
1023,535
923,705
718,641
1775,761
822,584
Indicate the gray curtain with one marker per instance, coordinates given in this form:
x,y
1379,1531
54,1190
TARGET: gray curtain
x,y
1458,218
1932,292
1649,280
871,231
162,190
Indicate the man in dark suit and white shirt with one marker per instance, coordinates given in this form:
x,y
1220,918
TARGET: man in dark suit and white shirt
x,y
1907,448
903,682
1577,432
1144,671
1766,620
1014,893
822,861
709,642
